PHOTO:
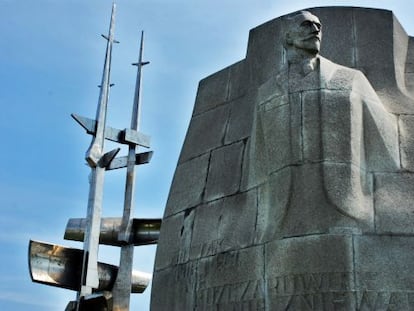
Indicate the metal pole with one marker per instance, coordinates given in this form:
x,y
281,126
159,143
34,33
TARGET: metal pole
x,y
94,154
122,288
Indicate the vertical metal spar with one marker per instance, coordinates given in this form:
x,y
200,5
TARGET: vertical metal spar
x,y
122,288
95,158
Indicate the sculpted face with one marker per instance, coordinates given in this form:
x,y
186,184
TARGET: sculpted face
x,y
305,32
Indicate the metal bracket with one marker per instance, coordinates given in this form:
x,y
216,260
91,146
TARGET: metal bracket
x,y
126,136
121,162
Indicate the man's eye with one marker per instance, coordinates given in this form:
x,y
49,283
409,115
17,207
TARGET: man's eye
x,y
309,24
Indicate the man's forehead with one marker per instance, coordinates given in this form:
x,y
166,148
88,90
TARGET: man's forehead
x,y
306,16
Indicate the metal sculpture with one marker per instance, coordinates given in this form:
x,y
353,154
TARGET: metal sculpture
x,y
101,286
121,291
98,161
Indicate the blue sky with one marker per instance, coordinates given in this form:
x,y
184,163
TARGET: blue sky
x,y
51,63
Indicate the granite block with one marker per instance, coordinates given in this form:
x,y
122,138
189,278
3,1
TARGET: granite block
x,y
239,81
240,120
175,238
212,91
281,127
310,273
382,265
174,288
223,225
394,203
188,185
232,281
206,132
224,172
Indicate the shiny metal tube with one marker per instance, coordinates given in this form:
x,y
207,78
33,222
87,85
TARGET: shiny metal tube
x,y
145,231
61,266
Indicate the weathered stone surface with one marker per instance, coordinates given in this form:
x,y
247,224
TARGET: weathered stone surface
x,y
341,124
382,272
224,173
300,82
394,209
302,255
311,146
206,132
343,51
262,66
382,263
282,147
409,67
179,283
294,186
213,91
401,53
174,238
239,82
294,202
378,68
301,274
240,121
379,54
406,125
232,281
223,225
382,155
188,185
353,196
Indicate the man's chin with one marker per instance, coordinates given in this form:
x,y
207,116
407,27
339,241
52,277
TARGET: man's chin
x,y
314,48
310,45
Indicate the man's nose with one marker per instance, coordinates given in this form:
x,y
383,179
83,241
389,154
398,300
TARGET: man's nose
x,y
315,28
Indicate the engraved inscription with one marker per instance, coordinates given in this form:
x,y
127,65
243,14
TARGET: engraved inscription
x,y
207,249
253,305
332,291
305,292
372,301
247,295
185,277
201,250
185,271
340,300
221,262
336,300
309,283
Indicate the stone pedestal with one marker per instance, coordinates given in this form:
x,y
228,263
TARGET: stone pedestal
x,y
338,271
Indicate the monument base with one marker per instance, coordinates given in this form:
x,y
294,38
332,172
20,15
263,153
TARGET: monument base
x,y
295,184
317,272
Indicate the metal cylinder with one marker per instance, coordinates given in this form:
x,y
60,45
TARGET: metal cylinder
x,y
60,266
144,231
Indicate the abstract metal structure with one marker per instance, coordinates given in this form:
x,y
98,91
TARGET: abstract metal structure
x,y
102,286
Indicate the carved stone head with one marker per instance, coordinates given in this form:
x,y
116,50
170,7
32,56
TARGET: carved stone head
x,y
303,32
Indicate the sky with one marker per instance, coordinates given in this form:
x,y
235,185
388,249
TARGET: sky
x,y
51,62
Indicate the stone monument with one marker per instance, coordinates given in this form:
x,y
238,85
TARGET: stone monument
x,y
295,184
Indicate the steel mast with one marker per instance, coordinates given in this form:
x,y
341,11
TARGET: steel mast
x,y
98,161
122,288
